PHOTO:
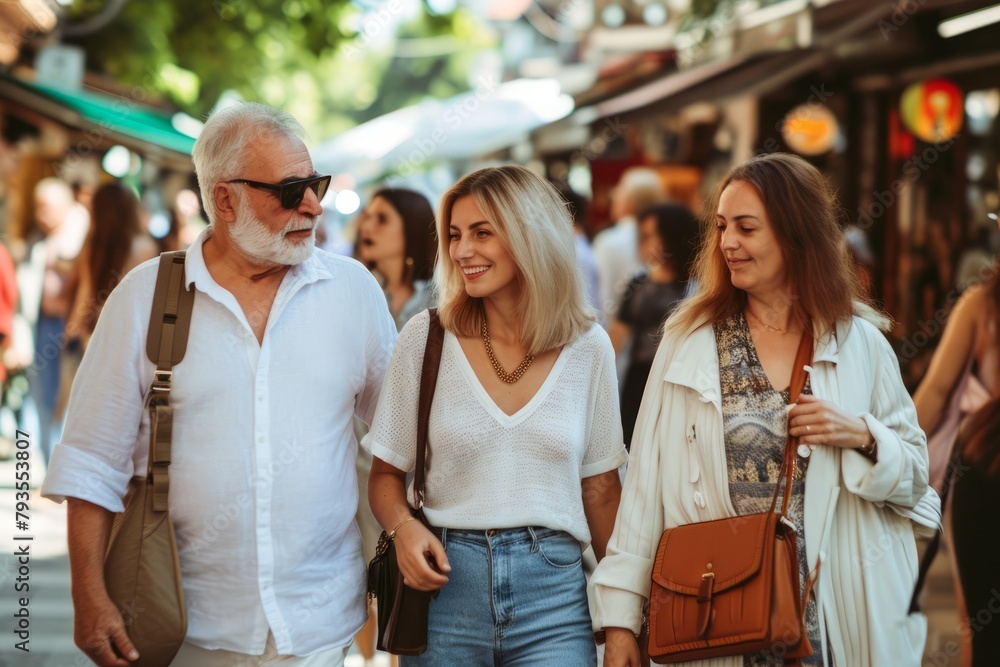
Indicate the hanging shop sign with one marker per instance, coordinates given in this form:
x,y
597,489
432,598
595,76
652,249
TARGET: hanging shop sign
x,y
932,110
810,129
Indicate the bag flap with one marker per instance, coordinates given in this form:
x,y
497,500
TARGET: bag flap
x,y
732,549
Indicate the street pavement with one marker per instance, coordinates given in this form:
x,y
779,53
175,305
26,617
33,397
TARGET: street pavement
x,y
51,612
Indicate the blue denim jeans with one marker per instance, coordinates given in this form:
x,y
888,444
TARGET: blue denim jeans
x,y
514,597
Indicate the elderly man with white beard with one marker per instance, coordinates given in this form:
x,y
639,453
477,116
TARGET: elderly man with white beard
x,y
287,345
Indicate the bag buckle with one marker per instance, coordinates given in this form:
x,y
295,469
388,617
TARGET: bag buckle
x,y
705,602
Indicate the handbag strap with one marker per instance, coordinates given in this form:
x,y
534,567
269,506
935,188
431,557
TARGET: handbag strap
x,y
428,383
802,357
166,343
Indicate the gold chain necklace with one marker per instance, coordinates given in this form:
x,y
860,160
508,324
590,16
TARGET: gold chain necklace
x,y
509,378
765,324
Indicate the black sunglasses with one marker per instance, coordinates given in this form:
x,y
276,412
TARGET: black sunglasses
x,y
290,194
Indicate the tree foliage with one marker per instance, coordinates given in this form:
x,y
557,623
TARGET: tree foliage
x,y
332,63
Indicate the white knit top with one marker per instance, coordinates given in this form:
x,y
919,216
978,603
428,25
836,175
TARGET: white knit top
x,y
488,469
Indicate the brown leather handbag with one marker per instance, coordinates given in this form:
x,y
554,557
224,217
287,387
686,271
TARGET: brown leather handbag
x,y
403,611
731,586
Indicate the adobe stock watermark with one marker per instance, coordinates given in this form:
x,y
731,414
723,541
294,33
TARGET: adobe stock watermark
x,y
593,149
912,170
930,328
690,46
901,13
374,24
454,116
228,513
976,622
227,10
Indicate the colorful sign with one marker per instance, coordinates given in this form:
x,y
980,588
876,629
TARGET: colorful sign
x,y
810,129
932,110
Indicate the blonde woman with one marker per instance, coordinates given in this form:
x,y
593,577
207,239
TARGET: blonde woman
x,y
713,423
525,435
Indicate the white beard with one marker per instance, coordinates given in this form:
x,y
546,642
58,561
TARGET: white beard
x,y
258,244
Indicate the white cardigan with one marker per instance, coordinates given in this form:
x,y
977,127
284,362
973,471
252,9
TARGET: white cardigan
x,y
678,475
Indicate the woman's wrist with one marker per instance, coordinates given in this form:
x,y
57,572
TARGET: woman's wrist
x,y
611,631
394,531
868,446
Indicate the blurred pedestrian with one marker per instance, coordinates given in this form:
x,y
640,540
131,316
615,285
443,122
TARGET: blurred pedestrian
x,y
616,248
975,534
711,433
286,345
115,245
8,304
43,280
963,375
668,239
396,239
585,262
523,462
186,221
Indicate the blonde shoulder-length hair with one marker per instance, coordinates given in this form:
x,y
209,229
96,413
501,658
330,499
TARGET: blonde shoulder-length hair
x,y
534,225
824,286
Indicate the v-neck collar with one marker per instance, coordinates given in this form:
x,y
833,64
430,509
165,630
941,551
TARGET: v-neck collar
x,y
487,401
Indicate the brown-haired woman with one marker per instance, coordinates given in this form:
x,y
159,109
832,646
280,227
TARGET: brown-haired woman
x,y
396,239
115,244
712,427
963,375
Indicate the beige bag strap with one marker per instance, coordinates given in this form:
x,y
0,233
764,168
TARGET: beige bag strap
x,y
166,343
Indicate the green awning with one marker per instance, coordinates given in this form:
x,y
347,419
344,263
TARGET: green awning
x,y
99,112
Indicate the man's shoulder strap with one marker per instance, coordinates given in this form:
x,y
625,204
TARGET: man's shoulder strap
x,y
170,315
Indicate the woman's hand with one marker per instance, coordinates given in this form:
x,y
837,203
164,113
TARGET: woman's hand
x,y
816,422
419,554
621,649
421,557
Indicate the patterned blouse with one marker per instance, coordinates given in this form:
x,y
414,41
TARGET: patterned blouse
x,y
756,428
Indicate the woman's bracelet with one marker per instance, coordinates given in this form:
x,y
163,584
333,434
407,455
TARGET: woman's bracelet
x,y
869,449
392,535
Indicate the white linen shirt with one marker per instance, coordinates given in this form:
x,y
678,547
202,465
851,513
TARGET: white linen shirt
x,y
493,470
263,488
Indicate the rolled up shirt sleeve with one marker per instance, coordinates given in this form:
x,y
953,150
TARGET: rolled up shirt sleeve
x,y
393,436
98,453
606,447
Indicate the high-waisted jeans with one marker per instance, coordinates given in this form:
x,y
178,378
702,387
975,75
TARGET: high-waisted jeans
x,y
514,597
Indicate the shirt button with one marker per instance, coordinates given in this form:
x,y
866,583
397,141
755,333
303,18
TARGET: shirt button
x,y
804,451
700,499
